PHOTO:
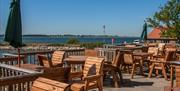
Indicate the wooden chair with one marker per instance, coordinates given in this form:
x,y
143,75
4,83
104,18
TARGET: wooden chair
x,y
159,63
129,60
44,61
172,87
161,47
91,75
154,51
53,79
44,84
56,60
57,73
114,68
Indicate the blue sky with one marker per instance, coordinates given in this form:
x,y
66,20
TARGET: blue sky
x,y
121,17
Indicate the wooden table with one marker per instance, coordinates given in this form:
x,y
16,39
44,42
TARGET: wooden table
x,y
75,60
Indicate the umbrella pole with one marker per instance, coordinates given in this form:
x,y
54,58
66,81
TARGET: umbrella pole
x,y
19,59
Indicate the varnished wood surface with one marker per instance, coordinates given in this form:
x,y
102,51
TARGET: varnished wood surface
x,y
75,59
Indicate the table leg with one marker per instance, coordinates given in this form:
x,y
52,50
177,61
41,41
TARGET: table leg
x,y
171,76
141,66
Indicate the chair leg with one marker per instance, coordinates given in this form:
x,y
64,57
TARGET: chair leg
x,y
85,87
171,76
104,76
100,86
157,72
141,69
128,69
115,79
133,69
151,69
164,71
120,75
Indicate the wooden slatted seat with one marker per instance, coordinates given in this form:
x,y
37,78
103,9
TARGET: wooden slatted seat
x,y
56,60
91,75
53,79
44,84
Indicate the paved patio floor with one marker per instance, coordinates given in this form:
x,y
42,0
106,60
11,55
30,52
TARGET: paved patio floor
x,y
139,83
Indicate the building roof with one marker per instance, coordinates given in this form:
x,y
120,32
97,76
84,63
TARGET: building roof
x,y
155,34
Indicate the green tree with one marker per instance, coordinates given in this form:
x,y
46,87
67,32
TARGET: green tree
x,y
168,19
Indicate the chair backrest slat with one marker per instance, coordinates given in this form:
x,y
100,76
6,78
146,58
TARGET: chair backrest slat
x,y
128,57
93,66
169,55
118,59
153,50
58,56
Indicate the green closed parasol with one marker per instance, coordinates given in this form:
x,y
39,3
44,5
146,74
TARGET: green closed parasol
x,y
13,33
144,32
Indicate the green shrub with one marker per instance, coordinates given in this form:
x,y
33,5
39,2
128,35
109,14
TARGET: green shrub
x,y
72,41
92,45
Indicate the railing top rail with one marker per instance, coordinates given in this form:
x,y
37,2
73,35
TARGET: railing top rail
x,y
46,51
10,58
36,52
19,69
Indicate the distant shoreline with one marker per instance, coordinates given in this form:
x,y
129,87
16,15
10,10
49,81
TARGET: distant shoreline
x,y
76,36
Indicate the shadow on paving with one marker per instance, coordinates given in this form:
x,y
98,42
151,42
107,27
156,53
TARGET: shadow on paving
x,y
130,83
127,83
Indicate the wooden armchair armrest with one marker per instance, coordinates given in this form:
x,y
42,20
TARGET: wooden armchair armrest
x,y
43,60
92,78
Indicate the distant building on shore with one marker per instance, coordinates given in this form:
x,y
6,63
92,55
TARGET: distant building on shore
x,y
155,36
